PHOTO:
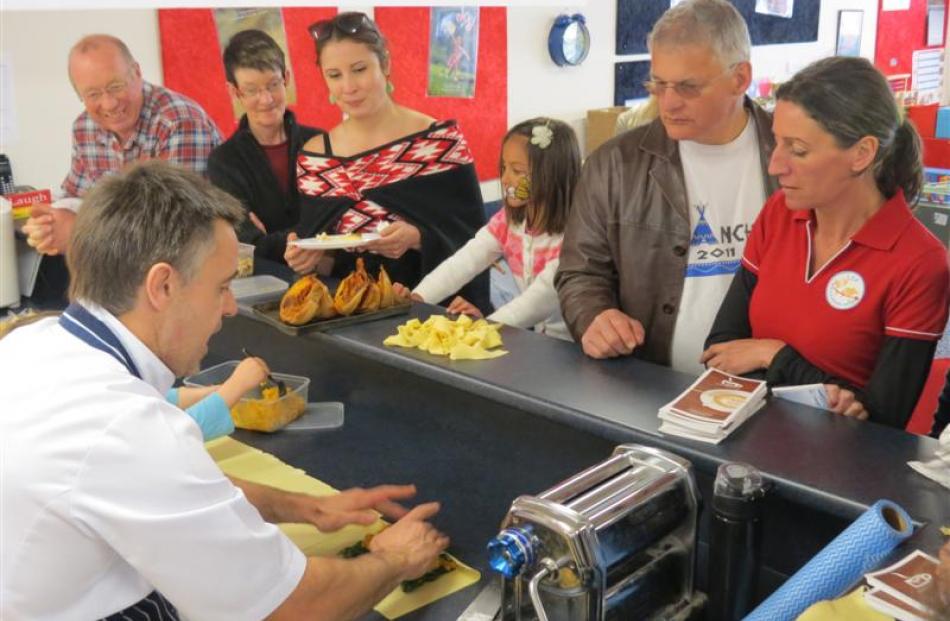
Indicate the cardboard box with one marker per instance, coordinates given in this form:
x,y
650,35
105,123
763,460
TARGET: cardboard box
x,y
600,125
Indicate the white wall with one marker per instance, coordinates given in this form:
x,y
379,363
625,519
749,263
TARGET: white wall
x,y
35,46
536,86
45,104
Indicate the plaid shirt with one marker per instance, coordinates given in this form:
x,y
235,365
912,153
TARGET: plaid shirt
x,y
170,127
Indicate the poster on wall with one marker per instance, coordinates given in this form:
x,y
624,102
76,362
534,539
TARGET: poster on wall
x,y
453,51
935,21
927,77
229,22
850,23
775,8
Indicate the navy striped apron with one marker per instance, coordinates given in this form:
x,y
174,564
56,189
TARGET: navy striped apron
x,y
83,325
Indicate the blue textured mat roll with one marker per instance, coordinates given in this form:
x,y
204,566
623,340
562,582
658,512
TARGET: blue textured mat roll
x,y
858,549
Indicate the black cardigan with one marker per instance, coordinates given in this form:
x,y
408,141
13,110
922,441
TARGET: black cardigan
x,y
240,167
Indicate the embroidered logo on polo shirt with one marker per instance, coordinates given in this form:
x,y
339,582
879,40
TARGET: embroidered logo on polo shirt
x,y
845,290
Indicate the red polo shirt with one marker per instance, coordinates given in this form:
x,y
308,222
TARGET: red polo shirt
x,y
890,279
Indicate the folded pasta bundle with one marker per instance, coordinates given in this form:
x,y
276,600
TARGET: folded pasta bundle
x,y
359,293
309,299
462,339
306,300
350,292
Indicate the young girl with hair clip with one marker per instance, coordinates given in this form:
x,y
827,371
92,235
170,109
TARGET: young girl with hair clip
x,y
539,166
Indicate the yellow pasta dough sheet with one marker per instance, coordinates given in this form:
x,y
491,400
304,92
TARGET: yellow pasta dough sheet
x,y
246,462
459,339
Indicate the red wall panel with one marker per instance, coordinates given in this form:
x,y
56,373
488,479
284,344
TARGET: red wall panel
x,y
483,118
899,33
191,60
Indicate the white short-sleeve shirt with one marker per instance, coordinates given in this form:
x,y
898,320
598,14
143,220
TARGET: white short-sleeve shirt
x,y
108,492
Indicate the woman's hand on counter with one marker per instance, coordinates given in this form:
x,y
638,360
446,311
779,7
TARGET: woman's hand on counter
x,y
742,355
300,260
842,401
395,240
352,506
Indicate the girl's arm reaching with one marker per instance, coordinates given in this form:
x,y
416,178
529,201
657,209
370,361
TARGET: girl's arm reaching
x,y
455,272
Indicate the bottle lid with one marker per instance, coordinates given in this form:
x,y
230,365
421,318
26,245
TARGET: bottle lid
x,y
738,480
737,490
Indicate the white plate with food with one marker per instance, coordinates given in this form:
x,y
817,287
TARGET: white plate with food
x,y
325,241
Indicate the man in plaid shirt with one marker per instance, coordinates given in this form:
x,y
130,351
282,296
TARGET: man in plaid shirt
x,y
126,120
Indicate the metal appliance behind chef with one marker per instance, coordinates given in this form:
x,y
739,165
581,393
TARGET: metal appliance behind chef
x,y
614,542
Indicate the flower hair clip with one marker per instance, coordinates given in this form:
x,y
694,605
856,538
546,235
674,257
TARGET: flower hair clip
x,y
541,135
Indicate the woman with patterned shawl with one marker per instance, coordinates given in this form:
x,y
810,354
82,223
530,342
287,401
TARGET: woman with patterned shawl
x,y
385,169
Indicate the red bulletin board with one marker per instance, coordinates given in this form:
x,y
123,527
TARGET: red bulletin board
x,y
192,65
899,34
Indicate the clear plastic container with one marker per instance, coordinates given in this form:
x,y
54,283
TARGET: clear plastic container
x,y
245,260
256,289
255,411
322,415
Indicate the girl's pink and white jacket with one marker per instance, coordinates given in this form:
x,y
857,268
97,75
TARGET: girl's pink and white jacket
x,y
533,260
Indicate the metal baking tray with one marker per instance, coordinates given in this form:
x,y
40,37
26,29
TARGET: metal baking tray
x,y
269,312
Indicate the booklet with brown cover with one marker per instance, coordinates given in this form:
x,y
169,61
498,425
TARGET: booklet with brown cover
x,y
712,406
912,580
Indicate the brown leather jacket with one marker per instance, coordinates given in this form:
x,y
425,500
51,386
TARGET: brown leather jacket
x,y
627,237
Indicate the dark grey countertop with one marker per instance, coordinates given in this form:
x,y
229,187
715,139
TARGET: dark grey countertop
x,y
476,434
816,457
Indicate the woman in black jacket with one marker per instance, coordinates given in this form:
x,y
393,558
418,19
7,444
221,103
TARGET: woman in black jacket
x,y
257,163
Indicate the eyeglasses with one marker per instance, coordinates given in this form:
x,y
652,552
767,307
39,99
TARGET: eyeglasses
x,y
274,87
687,89
114,89
349,23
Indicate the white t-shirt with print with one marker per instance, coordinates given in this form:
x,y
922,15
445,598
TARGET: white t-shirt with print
x,y
725,191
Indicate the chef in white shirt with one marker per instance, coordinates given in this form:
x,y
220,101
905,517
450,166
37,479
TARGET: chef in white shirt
x,y
110,501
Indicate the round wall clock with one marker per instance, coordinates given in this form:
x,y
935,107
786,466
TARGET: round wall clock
x,y
569,40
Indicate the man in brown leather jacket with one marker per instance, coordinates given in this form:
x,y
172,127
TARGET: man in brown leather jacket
x,y
660,215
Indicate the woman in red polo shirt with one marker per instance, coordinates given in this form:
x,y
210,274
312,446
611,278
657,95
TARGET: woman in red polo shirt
x,y
839,284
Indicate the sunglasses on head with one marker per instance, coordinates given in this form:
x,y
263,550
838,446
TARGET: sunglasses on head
x,y
350,23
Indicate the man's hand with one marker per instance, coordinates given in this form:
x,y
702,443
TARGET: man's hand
x,y
48,230
300,260
461,306
395,240
353,506
412,542
842,401
612,333
742,355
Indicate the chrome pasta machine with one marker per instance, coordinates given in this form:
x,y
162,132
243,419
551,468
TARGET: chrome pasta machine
x,y
614,542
